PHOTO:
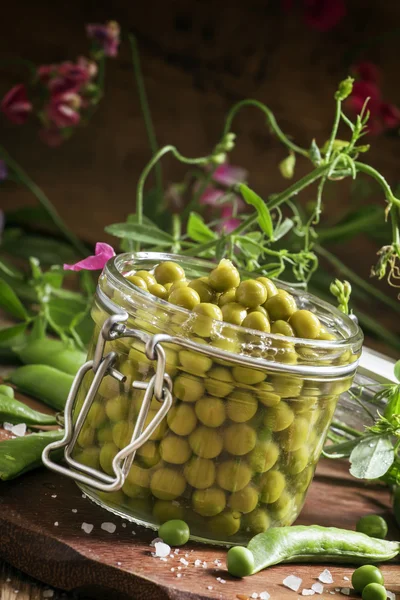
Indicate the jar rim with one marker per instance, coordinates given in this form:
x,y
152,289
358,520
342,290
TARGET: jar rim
x,y
354,336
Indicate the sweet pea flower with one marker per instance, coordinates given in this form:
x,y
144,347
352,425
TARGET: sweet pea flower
x,y
3,170
16,106
103,253
62,110
366,71
106,36
228,175
321,15
231,222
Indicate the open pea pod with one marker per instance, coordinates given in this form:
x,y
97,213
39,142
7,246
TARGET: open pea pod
x,y
22,454
13,411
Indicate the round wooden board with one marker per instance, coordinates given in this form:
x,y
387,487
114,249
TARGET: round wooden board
x,y
41,515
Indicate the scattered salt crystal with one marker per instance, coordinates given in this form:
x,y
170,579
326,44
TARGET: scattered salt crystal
x,y
264,596
183,561
48,593
8,579
254,595
390,595
197,563
204,565
345,591
209,587
307,592
164,559
217,562
119,564
179,574
346,578
155,541
176,550
333,593
337,589
325,576
19,430
133,532
123,525
186,555
221,580
292,582
56,524
87,527
173,569
8,426
83,496
162,549
109,527
54,496
317,587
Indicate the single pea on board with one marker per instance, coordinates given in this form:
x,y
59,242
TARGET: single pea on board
x,y
175,532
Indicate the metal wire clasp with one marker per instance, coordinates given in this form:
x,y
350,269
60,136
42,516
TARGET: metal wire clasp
x,y
160,386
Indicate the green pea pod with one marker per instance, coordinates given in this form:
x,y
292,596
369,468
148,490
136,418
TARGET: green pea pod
x,y
22,454
6,390
54,353
13,411
396,505
43,382
318,544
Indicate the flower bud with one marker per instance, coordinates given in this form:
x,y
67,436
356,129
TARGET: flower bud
x,y
218,159
345,88
347,288
315,154
286,166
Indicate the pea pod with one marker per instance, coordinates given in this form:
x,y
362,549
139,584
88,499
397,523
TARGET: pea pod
x,y
55,353
13,411
43,382
19,455
6,390
318,544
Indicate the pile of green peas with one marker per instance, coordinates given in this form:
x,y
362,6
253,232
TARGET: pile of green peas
x,y
368,581
237,450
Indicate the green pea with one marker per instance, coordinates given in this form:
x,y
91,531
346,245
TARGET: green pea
x,y
107,455
233,313
258,309
159,432
279,417
86,436
269,285
227,297
175,450
210,411
165,510
175,532
251,293
245,500
372,525
194,362
206,313
104,434
89,457
182,419
185,297
188,389
225,524
240,561
239,439
219,382
287,386
148,454
158,290
263,456
168,272
224,276
298,460
281,306
206,442
137,281
167,484
374,591
133,490
233,476
247,375
97,415
204,290
122,433
282,328
256,320
208,502
147,277
241,406
257,521
365,575
272,485
281,507
177,285
227,345
294,436
200,472
305,324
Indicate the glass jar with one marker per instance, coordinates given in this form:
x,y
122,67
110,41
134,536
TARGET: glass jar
x,y
233,449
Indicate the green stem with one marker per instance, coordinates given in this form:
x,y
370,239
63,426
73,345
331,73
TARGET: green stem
x,y
346,428
334,130
176,232
45,202
391,199
359,281
144,105
332,233
271,121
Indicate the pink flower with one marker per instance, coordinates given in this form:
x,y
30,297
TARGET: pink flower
x,y
16,106
51,136
390,115
366,71
231,223
321,15
103,253
67,76
62,110
211,196
228,175
107,37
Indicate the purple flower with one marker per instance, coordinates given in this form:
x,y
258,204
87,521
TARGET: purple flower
x,y
103,253
107,37
3,170
16,106
228,175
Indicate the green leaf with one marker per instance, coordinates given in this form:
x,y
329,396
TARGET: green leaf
x,y
340,450
249,246
393,405
264,217
10,302
47,250
397,370
282,229
9,334
140,233
372,457
9,269
198,230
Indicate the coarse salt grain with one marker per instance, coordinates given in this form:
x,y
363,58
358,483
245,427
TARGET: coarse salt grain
x,y
333,593
74,510
124,525
54,496
162,549
119,564
173,570
133,532
221,580
56,524
345,591
109,527
179,574
155,541
19,430
209,587
164,559
204,565
264,596
83,496
390,595
183,561
318,588
325,576
346,578
87,527
197,563
48,593
254,595
292,582
307,592
8,426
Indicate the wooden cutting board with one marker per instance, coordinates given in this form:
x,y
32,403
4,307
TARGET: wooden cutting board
x,y
41,516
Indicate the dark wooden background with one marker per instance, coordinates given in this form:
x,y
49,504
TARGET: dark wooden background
x,y
198,57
